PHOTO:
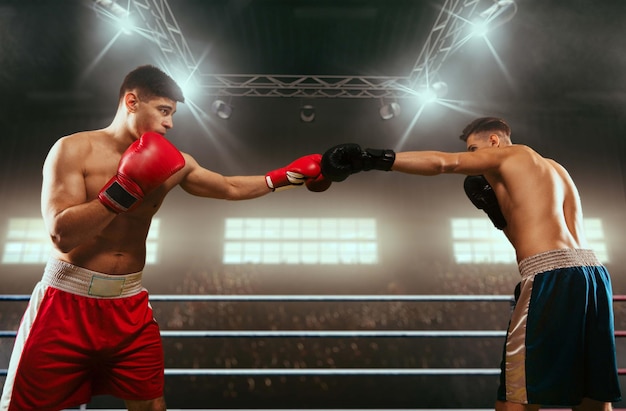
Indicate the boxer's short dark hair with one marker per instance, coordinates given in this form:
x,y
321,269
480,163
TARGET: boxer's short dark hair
x,y
150,81
485,124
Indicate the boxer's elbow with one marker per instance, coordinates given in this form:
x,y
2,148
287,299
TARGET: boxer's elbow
x,y
62,238
450,165
61,242
441,163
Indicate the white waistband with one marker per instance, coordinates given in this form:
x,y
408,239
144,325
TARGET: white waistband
x,y
555,259
81,281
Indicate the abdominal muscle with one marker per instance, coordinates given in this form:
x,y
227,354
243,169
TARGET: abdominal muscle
x,y
118,249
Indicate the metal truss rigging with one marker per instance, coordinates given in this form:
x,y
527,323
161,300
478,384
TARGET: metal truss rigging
x,y
262,85
445,37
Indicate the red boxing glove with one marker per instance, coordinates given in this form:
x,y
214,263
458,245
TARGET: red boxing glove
x,y
144,166
295,174
318,184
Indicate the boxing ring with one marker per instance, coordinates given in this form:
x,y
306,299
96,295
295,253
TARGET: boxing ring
x,y
332,334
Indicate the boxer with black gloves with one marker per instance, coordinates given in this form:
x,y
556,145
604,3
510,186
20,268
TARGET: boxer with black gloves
x,y
560,345
100,190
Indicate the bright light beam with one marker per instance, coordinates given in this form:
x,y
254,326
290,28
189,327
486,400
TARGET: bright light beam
x,y
126,24
428,96
146,34
99,57
203,118
503,68
455,105
200,116
459,43
410,128
186,84
451,104
116,13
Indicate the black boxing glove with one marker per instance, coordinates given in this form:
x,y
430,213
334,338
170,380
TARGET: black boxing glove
x,y
344,159
482,196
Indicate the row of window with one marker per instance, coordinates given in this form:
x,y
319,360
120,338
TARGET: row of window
x,y
302,241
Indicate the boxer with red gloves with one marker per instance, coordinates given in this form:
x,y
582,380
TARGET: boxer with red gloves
x,y
100,191
145,165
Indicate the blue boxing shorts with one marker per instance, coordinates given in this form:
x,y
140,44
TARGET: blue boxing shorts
x,y
560,344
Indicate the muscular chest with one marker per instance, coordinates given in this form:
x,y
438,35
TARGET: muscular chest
x,y
98,168
98,172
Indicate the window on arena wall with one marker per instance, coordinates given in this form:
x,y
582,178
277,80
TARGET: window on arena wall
x,y
476,241
595,236
300,241
27,242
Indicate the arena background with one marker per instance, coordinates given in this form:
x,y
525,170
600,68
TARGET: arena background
x,y
563,91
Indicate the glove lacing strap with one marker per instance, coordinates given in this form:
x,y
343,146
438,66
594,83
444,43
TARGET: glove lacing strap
x,y
378,159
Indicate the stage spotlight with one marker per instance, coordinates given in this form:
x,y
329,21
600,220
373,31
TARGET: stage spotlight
x,y
186,81
111,7
440,88
480,29
389,111
126,24
222,109
307,113
428,96
117,13
499,13
503,10
432,93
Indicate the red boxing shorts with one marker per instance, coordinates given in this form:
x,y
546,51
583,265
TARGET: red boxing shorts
x,y
84,333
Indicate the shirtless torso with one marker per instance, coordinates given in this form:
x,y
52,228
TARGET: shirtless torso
x,y
537,196
91,236
76,169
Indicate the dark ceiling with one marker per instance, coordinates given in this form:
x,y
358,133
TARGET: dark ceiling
x,y
365,37
557,52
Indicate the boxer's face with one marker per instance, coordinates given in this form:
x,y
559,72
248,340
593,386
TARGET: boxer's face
x,y
478,141
156,114
150,115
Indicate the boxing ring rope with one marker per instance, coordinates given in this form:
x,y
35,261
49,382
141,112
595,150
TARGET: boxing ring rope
x,y
310,334
325,334
312,298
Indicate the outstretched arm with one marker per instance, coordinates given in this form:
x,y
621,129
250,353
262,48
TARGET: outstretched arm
x,y
205,183
427,163
345,159
201,182
340,161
